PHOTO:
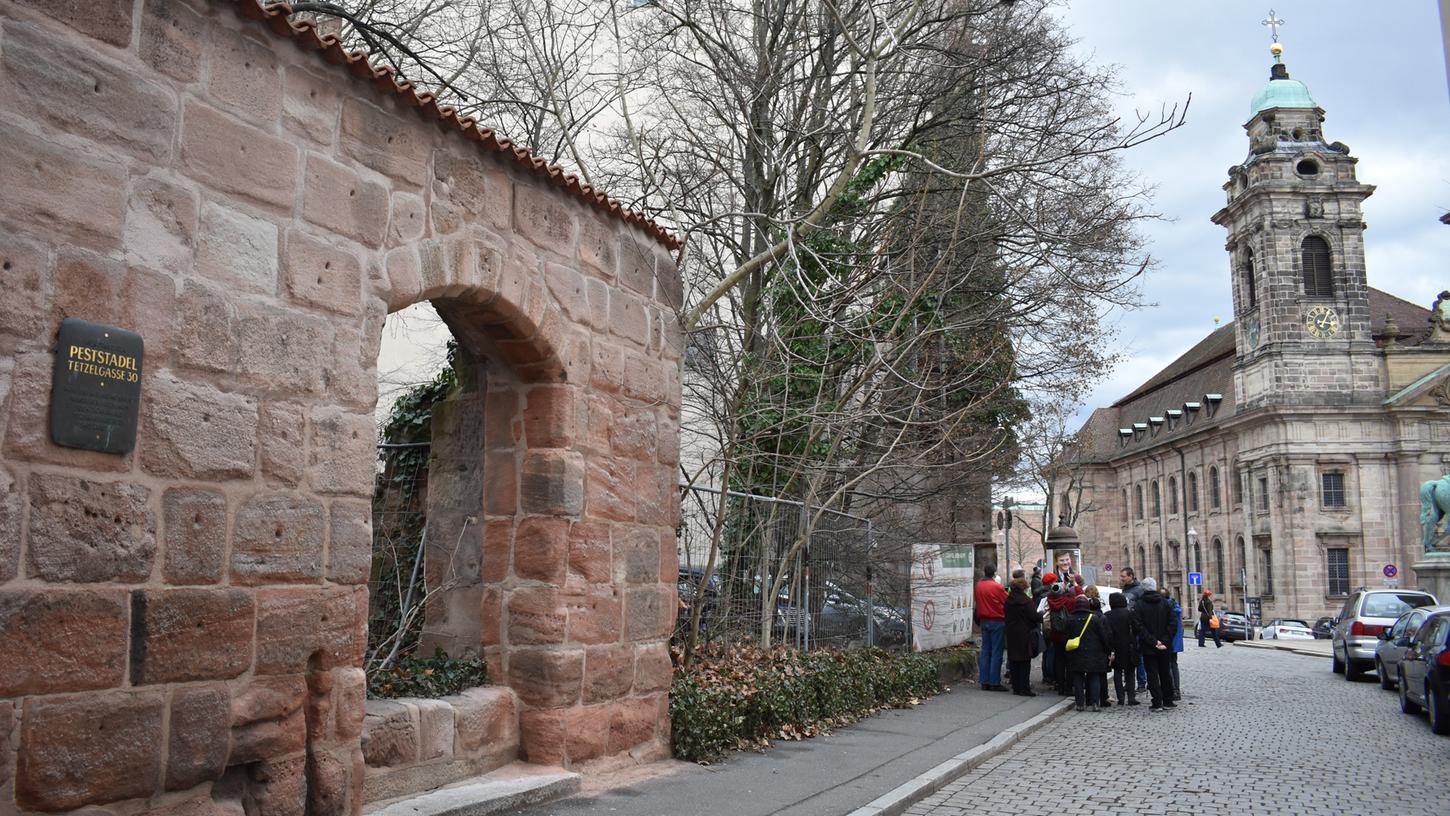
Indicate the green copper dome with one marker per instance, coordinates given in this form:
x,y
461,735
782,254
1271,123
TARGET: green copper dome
x,y
1281,93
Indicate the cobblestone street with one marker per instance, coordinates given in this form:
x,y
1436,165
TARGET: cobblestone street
x,y
1256,732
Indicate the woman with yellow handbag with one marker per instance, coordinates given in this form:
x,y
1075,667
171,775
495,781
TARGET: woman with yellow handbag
x,y
1087,651
1207,620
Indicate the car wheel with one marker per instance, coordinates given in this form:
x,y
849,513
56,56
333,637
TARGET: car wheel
x,y
1338,664
1439,717
1385,682
1352,671
1406,705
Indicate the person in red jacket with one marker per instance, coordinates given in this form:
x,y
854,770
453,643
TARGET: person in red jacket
x,y
991,615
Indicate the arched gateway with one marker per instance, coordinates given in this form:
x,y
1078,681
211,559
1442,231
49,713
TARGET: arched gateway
x,y
182,625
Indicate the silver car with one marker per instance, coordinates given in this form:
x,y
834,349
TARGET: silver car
x,y
1366,614
1396,639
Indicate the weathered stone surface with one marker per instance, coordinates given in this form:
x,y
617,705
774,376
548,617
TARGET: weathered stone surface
x,y
485,720
106,20
233,157
552,483
653,670
349,695
634,434
545,218
435,729
336,197
608,673
637,263
591,555
107,291
637,550
633,722
541,548
343,452
61,190
61,640
587,731
536,615
194,431
385,141
543,737
281,436
171,38
88,750
296,625
200,736
12,510
206,331
467,189
350,547
322,275
648,612
328,783
278,539
237,250
269,343
279,786
406,223
595,616
46,76
311,104
390,734
243,76
85,531
27,432
25,274
194,534
267,718
553,415
611,489
160,226
190,634
7,753
599,245
628,318
547,677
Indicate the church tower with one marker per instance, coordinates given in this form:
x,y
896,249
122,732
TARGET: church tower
x,y
1296,254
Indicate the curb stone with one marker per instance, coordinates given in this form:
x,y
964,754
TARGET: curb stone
x,y
896,801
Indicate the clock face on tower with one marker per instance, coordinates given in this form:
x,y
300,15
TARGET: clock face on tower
x,y
1251,331
1321,321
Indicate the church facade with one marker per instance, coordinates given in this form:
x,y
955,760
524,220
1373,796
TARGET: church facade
x,y
1280,457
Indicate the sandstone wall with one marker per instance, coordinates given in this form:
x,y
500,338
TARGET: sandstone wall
x,y
183,626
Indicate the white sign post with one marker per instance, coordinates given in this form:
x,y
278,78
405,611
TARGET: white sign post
x,y
941,595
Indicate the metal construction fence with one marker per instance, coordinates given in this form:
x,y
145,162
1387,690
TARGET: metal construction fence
x,y
831,586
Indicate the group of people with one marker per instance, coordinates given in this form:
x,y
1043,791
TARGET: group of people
x,y
1138,638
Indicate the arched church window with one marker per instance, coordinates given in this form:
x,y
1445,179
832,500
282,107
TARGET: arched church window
x,y
1318,278
1157,500
1251,287
1193,491
1172,496
1213,494
1138,495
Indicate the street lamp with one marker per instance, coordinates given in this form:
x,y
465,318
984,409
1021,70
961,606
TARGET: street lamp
x,y
1192,537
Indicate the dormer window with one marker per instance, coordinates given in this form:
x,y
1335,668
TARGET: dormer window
x,y
1318,276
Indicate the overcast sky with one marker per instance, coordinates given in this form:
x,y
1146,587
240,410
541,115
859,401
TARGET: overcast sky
x,y
1377,69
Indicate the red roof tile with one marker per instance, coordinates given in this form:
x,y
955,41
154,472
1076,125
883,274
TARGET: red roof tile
x,y
306,37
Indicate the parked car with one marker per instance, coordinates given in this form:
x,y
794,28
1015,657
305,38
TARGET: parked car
x,y
1366,613
1231,626
1396,639
1424,672
843,619
1286,629
1323,628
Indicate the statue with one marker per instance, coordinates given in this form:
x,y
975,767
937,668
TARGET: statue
x,y
1435,507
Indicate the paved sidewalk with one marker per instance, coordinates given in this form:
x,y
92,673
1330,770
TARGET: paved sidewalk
x,y
829,775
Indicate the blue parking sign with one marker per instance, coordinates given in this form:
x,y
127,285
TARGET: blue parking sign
x,y
1195,579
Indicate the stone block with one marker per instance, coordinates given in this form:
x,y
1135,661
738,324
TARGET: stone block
x,y
390,734
668,443
553,415
278,539
405,281
547,677
279,786
598,304
25,276
606,366
485,721
588,731
12,511
541,549
349,702
180,635
280,433
295,626
171,38
194,536
499,413
343,453
236,250
322,275
649,612
634,434
59,189
544,737
386,141
609,673
107,291
350,546
328,782
199,736
644,379
46,76
634,722
569,290
61,640
637,263
161,224
591,555
276,347
653,669
267,718
464,190
669,286
106,20
7,753
243,75
27,431
88,750
546,218
628,319
338,198
233,157
595,616
193,431
501,476
599,245
407,221
536,615
206,331
611,489
435,730
86,532
659,494
311,104
551,482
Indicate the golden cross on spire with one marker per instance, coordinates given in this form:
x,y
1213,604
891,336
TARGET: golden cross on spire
x,y
1273,23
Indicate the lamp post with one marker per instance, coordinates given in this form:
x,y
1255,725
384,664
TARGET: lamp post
x,y
1192,537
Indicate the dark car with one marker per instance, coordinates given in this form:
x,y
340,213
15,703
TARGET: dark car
x,y
844,616
1323,628
1424,672
1396,640
1231,626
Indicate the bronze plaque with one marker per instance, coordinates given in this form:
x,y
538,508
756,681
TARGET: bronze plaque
x,y
96,388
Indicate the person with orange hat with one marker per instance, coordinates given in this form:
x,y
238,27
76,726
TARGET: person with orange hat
x,y
1207,622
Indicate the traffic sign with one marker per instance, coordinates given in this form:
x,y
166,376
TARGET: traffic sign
x,y
1391,571
1195,579
1108,567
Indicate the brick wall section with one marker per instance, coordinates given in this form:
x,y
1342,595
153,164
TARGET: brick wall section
x,y
184,625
